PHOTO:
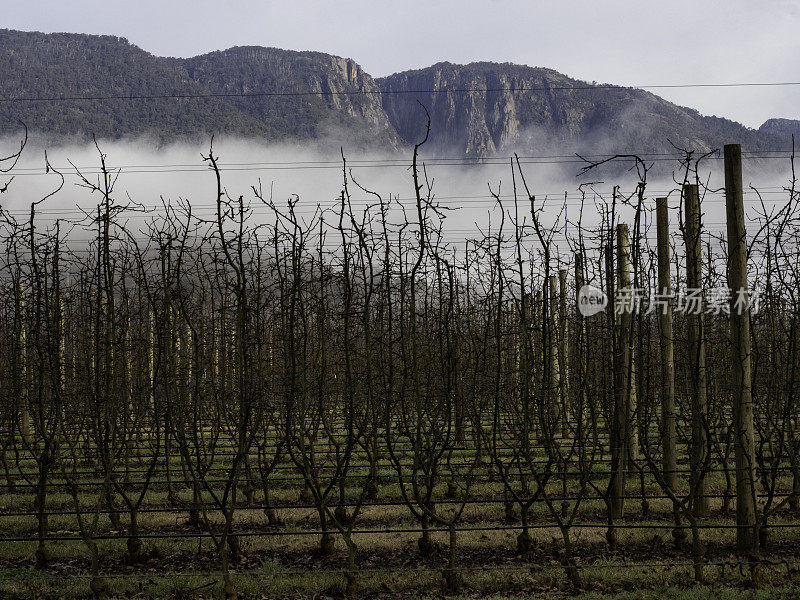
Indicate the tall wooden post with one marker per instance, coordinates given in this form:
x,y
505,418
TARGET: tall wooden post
x,y
563,365
62,345
579,345
538,375
668,432
633,402
746,537
628,370
151,357
620,439
616,483
24,399
554,375
697,352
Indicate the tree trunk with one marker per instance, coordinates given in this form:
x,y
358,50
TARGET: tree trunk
x,y
134,543
570,568
452,578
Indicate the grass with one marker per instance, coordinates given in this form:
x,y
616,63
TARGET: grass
x,y
285,565
610,580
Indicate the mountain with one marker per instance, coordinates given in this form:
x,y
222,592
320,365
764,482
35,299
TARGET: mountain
x,y
349,99
36,65
542,109
528,109
785,128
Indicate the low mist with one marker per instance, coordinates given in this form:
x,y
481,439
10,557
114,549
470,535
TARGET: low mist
x,y
150,175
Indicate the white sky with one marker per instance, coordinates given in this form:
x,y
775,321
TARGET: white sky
x,y
610,41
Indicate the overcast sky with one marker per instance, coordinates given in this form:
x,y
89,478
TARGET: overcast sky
x,y
610,41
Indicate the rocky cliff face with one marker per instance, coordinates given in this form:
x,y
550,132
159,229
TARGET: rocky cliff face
x,y
74,65
315,96
335,95
542,111
784,128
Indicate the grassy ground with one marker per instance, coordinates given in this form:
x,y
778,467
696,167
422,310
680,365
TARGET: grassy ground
x,y
610,580
284,561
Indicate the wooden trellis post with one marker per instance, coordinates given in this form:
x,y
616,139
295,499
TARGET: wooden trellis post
x,y
668,432
563,365
697,351
554,374
626,369
741,374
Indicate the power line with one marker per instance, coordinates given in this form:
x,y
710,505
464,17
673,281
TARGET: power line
x,y
499,159
523,566
309,208
375,92
667,525
389,163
